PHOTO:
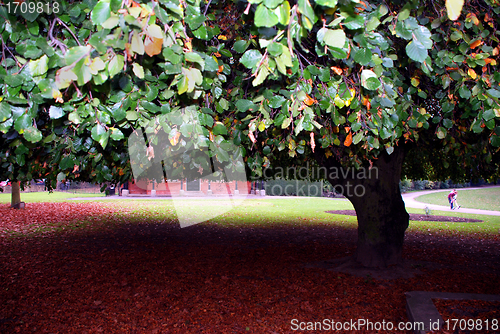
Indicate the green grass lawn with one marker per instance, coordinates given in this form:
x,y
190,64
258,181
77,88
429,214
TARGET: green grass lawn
x,y
485,199
267,212
45,196
305,211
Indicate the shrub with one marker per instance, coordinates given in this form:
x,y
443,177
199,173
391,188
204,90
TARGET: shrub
x,y
405,185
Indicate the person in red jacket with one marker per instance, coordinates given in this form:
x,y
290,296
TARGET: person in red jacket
x,y
452,196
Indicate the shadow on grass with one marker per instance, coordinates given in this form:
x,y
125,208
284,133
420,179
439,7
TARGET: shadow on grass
x,y
152,277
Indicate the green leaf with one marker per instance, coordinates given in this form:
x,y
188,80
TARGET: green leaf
x,y
275,49
493,93
115,65
261,76
101,12
334,37
29,15
219,129
5,111
100,135
422,35
22,123
40,66
241,46
372,24
363,56
136,43
283,13
402,31
116,134
358,137
272,3
286,123
56,112
489,114
194,57
76,54
138,70
354,22
276,101
251,58
244,105
32,134
182,84
201,33
447,123
327,3
195,21
384,133
369,80
495,141
441,132
265,17
111,22
464,92
211,64
404,14
416,51
206,120
306,10
14,80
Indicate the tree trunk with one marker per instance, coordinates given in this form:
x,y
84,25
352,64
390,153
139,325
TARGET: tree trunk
x,y
15,194
381,212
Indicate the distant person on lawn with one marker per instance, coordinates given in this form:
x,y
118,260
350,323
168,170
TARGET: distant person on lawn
x,y
452,198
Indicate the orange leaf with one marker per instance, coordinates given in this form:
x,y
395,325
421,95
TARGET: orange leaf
x,y
175,139
337,70
309,100
251,136
476,44
348,140
313,144
152,45
472,73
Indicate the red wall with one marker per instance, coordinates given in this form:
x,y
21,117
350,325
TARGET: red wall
x,y
174,187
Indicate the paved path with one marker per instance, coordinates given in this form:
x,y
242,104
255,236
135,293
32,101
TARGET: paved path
x,y
410,202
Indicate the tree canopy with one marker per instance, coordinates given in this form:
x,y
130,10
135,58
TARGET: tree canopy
x,y
279,78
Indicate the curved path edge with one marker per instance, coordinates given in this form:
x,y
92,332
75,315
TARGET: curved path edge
x,y
411,202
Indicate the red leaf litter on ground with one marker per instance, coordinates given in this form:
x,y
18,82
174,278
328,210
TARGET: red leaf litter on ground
x,y
136,274
48,216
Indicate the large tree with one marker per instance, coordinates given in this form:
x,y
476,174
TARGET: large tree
x,y
395,87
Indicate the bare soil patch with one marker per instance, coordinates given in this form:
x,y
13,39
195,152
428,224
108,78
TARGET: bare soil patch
x,y
417,217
